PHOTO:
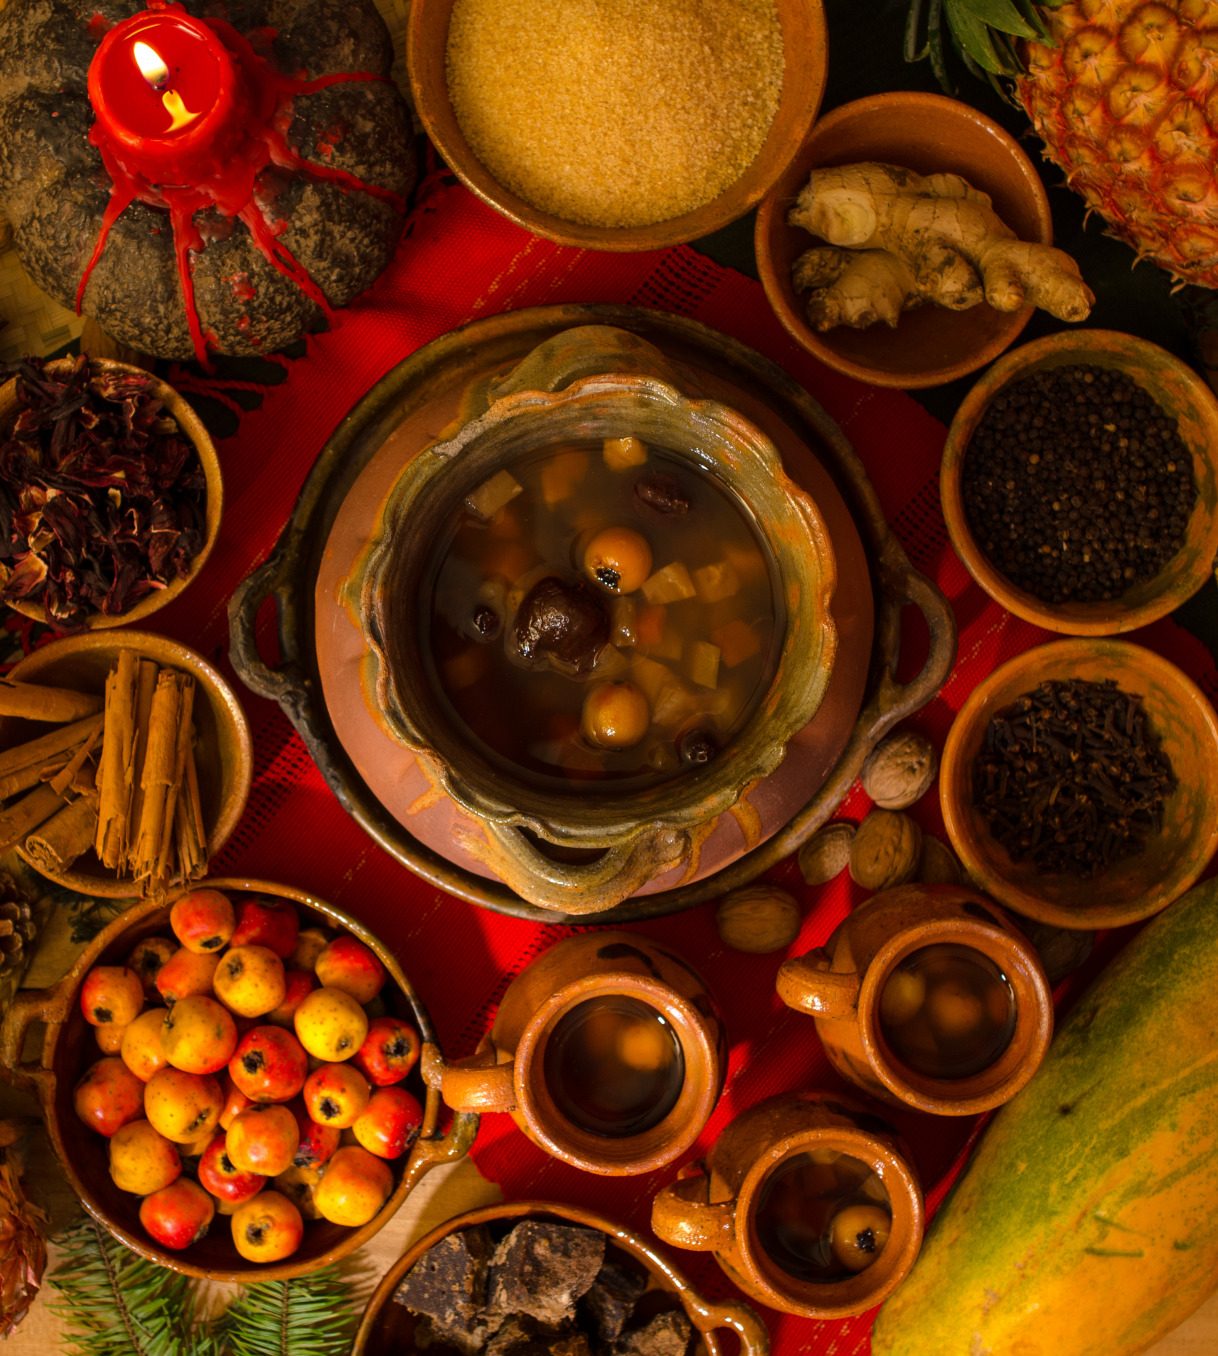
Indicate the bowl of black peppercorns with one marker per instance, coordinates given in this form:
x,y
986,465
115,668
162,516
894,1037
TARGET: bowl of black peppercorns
x,y
1079,783
1080,482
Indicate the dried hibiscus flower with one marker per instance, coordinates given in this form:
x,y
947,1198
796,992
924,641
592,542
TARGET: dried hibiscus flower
x,y
102,496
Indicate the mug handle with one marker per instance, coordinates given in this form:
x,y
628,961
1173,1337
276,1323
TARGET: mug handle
x,y
48,1006
752,1332
807,984
476,1084
683,1217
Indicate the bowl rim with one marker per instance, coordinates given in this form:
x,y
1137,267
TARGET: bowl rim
x,y
771,211
1051,660
1060,349
699,221
219,694
705,1317
205,449
242,1271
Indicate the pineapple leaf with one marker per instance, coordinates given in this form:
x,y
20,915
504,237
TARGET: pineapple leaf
x,y
1002,15
913,30
975,40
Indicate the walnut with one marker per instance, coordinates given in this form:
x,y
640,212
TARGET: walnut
x,y
938,865
886,850
826,853
900,770
758,919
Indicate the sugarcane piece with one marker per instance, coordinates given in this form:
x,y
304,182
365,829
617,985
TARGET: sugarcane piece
x,y
26,765
116,773
945,243
36,701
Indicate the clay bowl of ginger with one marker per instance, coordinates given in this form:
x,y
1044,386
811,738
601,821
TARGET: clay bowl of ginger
x,y
910,333
618,124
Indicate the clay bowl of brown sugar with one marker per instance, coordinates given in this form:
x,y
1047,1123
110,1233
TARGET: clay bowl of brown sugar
x,y
549,111
929,134
1101,481
989,800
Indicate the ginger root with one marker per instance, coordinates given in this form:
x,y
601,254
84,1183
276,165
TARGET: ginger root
x,y
896,240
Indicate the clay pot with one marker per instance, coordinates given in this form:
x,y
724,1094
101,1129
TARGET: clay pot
x,y
805,44
223,755
197,435
930,134
1182,394
509,1071
569,851
1132,889
716,1211
67,1048
388,1329
840,984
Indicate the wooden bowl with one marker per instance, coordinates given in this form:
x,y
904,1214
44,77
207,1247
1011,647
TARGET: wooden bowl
x,y
805,44
198,436
1182,394
224,755
68,1048
1135,887
930,134
388,1328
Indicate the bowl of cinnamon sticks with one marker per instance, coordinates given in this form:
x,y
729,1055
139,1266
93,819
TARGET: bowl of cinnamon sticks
x,y
125,763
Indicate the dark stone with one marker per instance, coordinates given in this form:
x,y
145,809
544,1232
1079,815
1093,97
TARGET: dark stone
x,y
606,1309
542,1269
447,1285
561,621
54,189
667,1334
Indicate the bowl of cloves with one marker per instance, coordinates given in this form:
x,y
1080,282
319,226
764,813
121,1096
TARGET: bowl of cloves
x,y
1079,783
1080,482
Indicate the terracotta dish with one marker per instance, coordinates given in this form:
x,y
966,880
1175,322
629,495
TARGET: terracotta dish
x,y
195,432
68,1048
930,134
224,753
387,1329
1131,889
1183,395
806,56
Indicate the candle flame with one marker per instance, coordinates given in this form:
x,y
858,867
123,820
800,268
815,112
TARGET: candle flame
x,y
152,68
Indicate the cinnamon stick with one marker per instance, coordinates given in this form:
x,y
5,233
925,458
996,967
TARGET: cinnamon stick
x,y
26,814
115,774
157,775
65,836
185,740
26,764
34,701
145,686
190,833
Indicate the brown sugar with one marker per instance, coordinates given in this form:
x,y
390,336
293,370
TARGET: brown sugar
x,y
615,112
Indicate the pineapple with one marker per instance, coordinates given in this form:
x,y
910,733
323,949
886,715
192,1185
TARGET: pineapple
x,y
1124,94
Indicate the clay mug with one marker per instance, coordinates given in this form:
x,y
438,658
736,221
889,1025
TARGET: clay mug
x,y
612,997
841,984
739,1206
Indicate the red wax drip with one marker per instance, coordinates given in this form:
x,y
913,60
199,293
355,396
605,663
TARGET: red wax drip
x,y
230,189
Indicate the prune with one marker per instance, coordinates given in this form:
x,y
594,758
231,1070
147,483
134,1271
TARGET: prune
x,y
662,492
562,621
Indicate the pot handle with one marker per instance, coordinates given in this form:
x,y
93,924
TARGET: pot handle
x,y
807,984
49,1006
479,1083
575,888
682,1216
439,1149
752,1332
894,701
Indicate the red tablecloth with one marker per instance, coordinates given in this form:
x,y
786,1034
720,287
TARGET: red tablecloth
x,y
460,262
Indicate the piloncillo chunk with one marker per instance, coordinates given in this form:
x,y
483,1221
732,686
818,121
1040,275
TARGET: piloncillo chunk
x,y
448,1286
542,1269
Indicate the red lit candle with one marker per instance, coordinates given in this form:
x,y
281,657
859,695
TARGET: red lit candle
x,y
165,94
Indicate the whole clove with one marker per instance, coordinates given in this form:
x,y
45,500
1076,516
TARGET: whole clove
x,y
1071,777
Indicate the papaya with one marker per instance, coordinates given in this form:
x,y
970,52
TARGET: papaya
x,y
1086,1222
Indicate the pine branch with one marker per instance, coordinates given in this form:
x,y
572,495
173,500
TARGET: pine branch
x,y
314,1315
116,1303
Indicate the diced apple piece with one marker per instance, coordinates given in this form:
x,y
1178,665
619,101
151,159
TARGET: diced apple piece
x,y
649,677
737,642
561,474
702,663
669,646
611,663
675,704
493,494
717,582
623,453
623,615
672,584
748,564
